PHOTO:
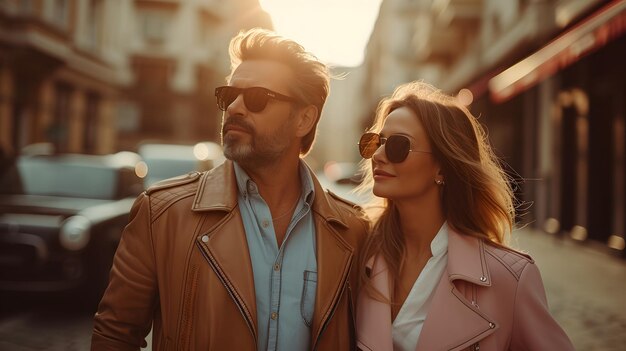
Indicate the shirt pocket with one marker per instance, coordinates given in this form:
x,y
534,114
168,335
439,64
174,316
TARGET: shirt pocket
x,y
307,301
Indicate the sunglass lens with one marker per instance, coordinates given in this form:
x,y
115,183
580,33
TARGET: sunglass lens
x,y
397,148
226,96
368,144
255,99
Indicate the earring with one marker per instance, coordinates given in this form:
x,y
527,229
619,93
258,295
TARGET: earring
x,y
439,182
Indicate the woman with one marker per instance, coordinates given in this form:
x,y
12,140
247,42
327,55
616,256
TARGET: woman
x,y
436,273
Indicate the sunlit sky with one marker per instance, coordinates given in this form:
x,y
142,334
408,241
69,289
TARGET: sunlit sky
x,y
336,31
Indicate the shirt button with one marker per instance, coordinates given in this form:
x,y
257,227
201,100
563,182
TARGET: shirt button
x,y
276,267
265,223
491,325
274,315
205,238
251,188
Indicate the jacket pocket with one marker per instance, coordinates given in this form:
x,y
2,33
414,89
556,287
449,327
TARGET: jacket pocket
x,y
307,301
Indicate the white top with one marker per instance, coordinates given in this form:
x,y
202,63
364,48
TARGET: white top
x,y
407,326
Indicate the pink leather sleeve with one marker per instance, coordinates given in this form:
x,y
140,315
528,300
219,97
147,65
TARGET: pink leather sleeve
x,y
125,313
533,326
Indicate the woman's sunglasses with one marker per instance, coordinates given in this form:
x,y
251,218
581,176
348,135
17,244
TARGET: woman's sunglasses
x,y
397,147
255,98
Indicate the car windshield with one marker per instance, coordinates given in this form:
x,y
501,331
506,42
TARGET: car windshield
x,y
86,176
165,161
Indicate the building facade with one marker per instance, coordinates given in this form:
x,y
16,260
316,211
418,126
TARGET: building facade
x,y
547,80
61,67
178,53
97,76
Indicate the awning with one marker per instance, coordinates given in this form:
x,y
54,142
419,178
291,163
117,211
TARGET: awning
x,y
592,33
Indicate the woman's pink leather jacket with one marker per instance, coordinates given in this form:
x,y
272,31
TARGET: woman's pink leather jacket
x,y
489,298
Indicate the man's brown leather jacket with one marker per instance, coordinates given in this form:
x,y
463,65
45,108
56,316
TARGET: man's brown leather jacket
x,y
183,268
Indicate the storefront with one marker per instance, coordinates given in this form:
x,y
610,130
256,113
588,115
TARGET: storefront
x,y
559,116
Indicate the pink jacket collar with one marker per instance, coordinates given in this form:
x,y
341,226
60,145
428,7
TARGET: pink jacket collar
x,y
466,261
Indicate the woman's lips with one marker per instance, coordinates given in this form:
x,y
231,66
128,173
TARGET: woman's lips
x,y
380,174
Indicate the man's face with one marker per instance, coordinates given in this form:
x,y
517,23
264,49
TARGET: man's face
x,y
259,138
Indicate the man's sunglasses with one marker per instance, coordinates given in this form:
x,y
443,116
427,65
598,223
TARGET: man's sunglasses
x,y
255,98
397,147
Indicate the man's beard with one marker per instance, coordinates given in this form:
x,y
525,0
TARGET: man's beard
x,y
261,151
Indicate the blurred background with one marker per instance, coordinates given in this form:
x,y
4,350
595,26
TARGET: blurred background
x,y
116,95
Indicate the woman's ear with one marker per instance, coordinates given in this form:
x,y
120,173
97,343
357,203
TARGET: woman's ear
x,y
439,177
306,120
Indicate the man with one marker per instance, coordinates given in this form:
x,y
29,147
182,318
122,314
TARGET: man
x,y
252,254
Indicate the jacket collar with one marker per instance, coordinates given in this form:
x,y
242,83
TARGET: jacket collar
x,y
325,206
452,319
466,259
218,191
454,322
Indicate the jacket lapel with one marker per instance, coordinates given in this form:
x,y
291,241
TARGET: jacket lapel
x,y
453,322
226,237
218,192
374,317
334,260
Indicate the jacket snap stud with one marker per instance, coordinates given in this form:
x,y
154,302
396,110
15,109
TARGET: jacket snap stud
x,y
205,238
491,325
483,279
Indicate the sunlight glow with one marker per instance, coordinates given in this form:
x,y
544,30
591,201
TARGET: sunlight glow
x,y
336,31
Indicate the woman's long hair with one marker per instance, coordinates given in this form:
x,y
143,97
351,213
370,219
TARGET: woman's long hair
x,y
477,198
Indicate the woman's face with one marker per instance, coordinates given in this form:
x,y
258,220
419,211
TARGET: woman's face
x,y
414,177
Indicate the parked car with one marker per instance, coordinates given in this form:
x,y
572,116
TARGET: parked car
x,y
163,161
61,218
342,178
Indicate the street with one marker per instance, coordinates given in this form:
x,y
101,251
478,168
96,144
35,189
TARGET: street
x,y
586,290
32,322
585,287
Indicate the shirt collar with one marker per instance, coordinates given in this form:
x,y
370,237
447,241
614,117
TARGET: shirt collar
x,y
247,187
439,245
243,180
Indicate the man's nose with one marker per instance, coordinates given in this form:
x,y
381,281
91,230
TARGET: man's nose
x,y
237,106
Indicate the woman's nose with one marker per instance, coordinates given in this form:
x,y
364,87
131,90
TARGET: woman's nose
x,y
379,155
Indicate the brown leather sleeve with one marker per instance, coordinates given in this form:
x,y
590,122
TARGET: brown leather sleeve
x,y
125,313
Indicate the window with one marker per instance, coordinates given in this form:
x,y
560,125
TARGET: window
x,y
90,133
155,25
95,24
56,12
57,131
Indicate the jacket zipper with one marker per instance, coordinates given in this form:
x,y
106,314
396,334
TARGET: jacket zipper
x,y
475,296
229,289
190,298
330,316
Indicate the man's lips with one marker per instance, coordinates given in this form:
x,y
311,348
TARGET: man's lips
x,y
235,128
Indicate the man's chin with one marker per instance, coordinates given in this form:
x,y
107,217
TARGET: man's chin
x,y
237,153
233,138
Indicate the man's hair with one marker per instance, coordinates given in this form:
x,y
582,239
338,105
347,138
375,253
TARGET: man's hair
x,y
312,77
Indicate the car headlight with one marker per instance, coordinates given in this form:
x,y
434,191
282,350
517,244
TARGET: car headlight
x,y
141,169
75,233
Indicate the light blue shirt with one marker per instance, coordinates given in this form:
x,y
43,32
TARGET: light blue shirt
x,y
285,278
